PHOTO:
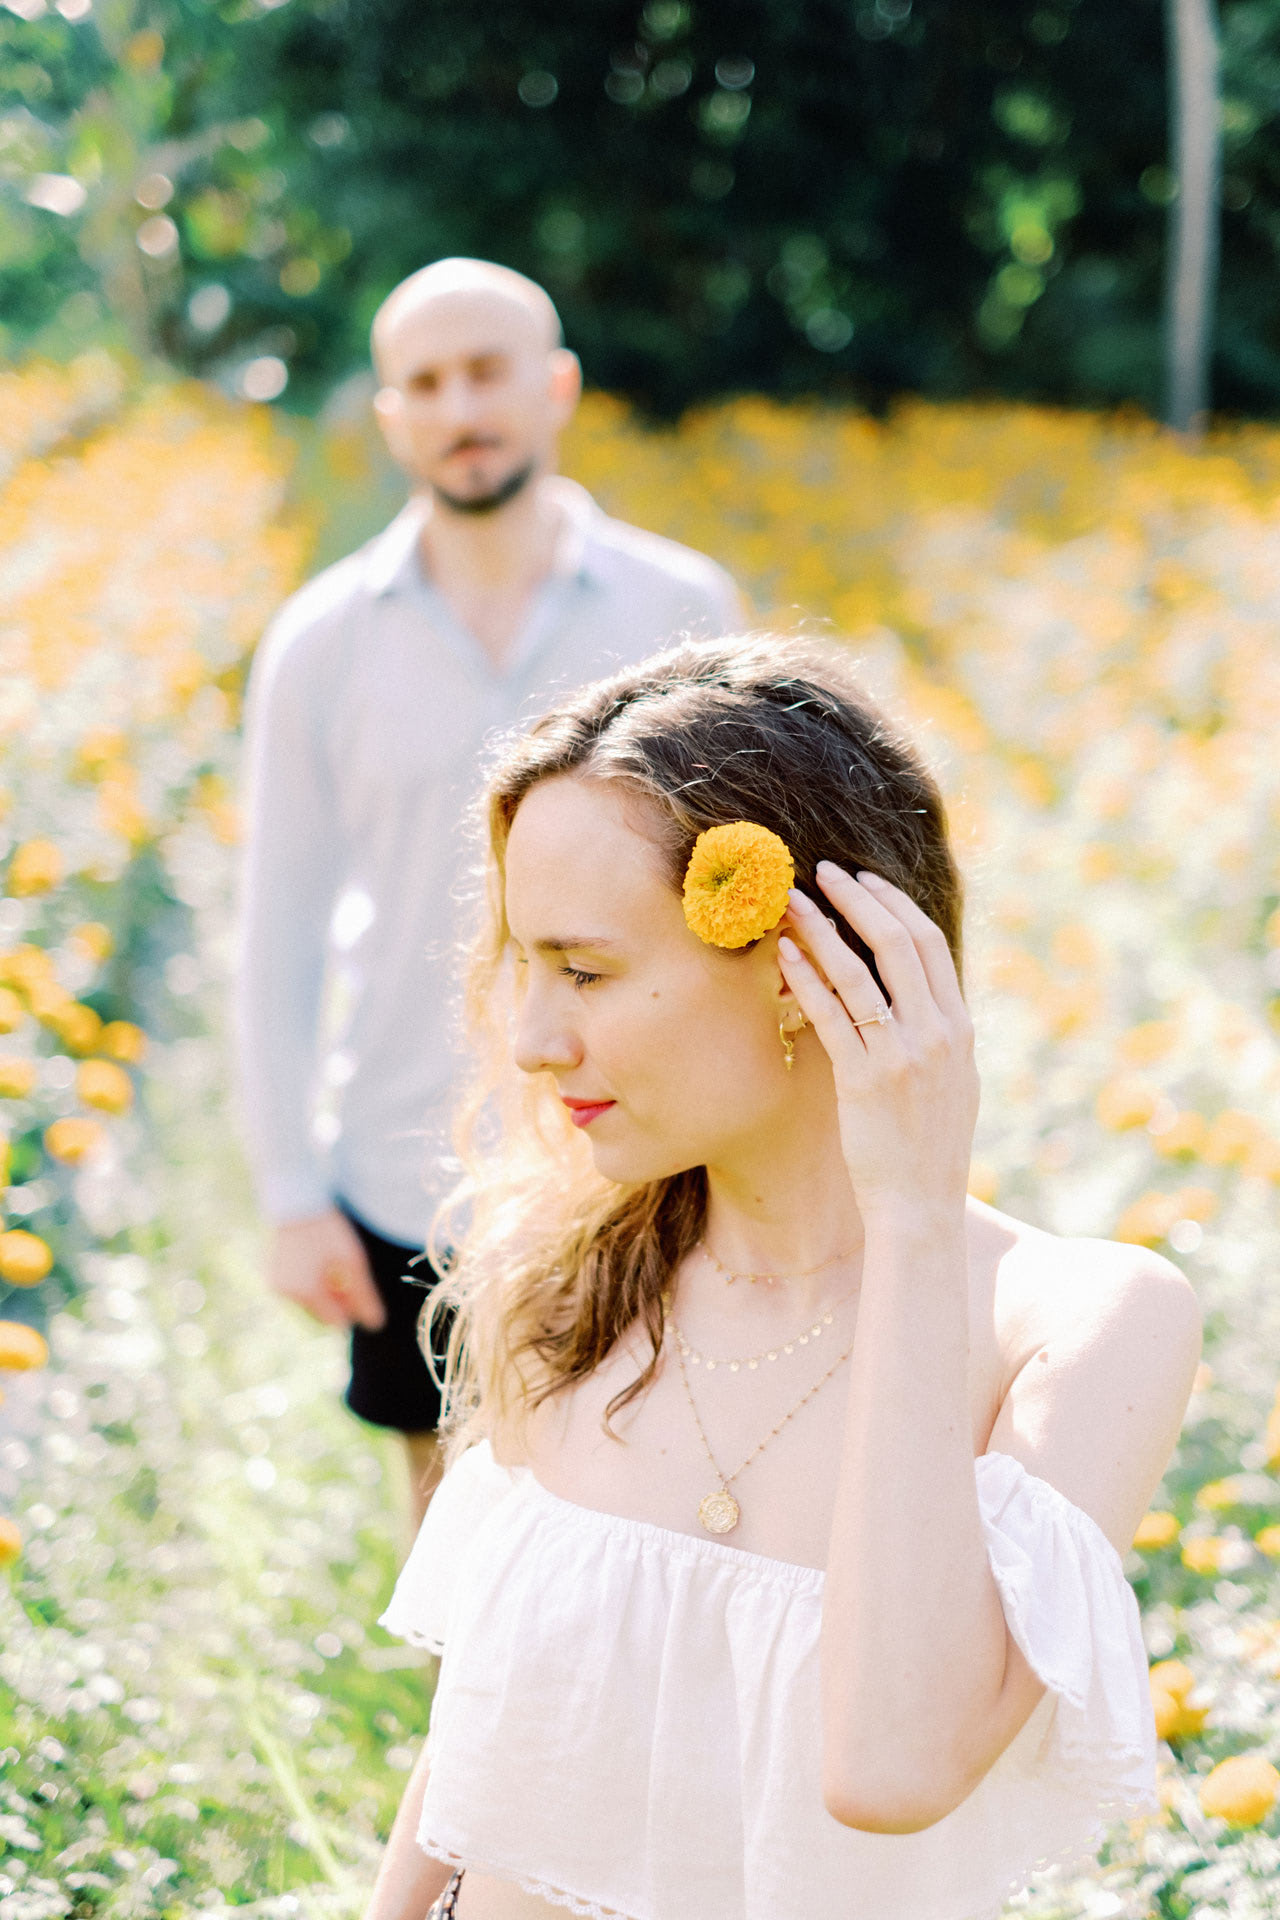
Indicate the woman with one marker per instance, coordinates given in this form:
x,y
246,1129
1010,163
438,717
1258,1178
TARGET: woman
x,y
777,1572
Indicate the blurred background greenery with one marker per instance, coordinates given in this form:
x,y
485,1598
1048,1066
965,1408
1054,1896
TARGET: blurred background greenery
x,y
851,198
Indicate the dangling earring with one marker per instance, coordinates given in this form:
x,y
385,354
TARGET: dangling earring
x,y
786,1035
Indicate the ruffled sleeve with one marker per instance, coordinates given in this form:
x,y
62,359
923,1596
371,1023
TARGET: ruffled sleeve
x,y
1074,1616
470,1491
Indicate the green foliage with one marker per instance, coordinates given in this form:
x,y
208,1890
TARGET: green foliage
x,y
859,196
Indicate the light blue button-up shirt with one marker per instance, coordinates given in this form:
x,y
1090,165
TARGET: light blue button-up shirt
x,y
369,706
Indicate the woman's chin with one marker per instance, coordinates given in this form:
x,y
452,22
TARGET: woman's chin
x,y
634,1163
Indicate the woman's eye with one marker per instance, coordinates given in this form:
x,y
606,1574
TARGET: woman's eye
x,y
579,976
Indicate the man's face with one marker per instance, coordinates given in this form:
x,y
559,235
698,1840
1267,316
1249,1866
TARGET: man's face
x,y
473,397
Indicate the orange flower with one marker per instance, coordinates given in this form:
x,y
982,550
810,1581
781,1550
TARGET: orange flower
x,y
10,1541
736,883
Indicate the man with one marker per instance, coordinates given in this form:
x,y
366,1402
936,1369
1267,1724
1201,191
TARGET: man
x,y
369,702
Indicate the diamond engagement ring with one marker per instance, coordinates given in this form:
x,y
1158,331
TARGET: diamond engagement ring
x,y
879,1018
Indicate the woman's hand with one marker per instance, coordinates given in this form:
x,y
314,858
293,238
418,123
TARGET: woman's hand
x,y
906,1085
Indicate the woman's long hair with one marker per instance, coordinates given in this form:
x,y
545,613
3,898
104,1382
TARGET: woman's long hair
x,y
552,1262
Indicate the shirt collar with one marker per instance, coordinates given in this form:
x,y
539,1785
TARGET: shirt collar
x,y
393,561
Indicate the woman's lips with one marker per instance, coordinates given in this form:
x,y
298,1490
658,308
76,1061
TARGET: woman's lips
x,y
583,1112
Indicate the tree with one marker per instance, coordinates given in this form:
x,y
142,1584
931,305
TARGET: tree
x,y
1196,115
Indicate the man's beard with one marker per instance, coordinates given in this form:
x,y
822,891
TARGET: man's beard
x,y
487,502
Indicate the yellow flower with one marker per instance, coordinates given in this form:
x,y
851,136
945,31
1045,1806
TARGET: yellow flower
x,y
1205,1553
10,1541
1215,1496
24,1258
1231,1136
1175,1718
77,1026
736,883
1268,1542
12,1012
101,1083
1127,1102
1156,1529
93,939
21,1347
1173,1676
1242,1790
98,748
35,868
26,967
121,1040
72,1139
1183,1137
983,1181
17,1077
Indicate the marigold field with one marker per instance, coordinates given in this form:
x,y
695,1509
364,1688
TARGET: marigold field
x,y
1077,615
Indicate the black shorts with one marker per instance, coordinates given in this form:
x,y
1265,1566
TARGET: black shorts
x,y
390,1384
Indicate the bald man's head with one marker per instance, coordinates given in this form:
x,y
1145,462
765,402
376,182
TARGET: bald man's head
x,y
475,381
412,300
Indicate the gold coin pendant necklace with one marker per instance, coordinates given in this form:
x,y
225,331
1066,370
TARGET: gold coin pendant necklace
x,y
719,1512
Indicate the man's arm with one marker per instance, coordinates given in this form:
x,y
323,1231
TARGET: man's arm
x,y
291,872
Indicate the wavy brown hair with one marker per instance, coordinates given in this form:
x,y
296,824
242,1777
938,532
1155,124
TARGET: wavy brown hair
x,y
555,1262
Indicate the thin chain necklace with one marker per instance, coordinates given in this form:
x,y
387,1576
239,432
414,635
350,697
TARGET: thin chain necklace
x,y
769,1278
719,1512
753,1360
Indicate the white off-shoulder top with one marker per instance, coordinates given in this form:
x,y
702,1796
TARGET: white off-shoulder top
x,y
626,1720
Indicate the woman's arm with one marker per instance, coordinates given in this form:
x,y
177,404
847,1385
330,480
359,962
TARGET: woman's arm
x,y
923,1686
408,1879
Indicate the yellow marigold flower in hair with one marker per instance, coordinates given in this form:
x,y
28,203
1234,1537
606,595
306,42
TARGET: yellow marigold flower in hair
x,y
1242,1790
736,883
24,1258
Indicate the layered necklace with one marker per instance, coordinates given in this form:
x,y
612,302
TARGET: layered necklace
x,y
719,1512
769,1279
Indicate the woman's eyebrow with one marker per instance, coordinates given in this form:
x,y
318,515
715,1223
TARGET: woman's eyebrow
x,y
573,941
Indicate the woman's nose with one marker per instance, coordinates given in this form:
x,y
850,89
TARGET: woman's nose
x,y
542,1040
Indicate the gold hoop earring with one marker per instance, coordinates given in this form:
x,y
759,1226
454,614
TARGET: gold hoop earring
x,y
787,1036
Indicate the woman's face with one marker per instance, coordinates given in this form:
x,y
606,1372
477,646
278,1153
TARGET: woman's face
x,y
664,1050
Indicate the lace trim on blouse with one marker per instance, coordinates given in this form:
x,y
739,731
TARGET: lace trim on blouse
x,y
626,1723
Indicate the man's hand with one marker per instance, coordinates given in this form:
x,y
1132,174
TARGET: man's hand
x,y
320,1263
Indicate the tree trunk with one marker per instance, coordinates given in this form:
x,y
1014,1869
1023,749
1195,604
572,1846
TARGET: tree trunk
x,y
1194,214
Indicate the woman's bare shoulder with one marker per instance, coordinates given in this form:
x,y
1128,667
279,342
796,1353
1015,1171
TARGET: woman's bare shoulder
x,y
1040,1285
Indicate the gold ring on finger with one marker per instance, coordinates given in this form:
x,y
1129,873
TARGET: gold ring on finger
x,y
879,1018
